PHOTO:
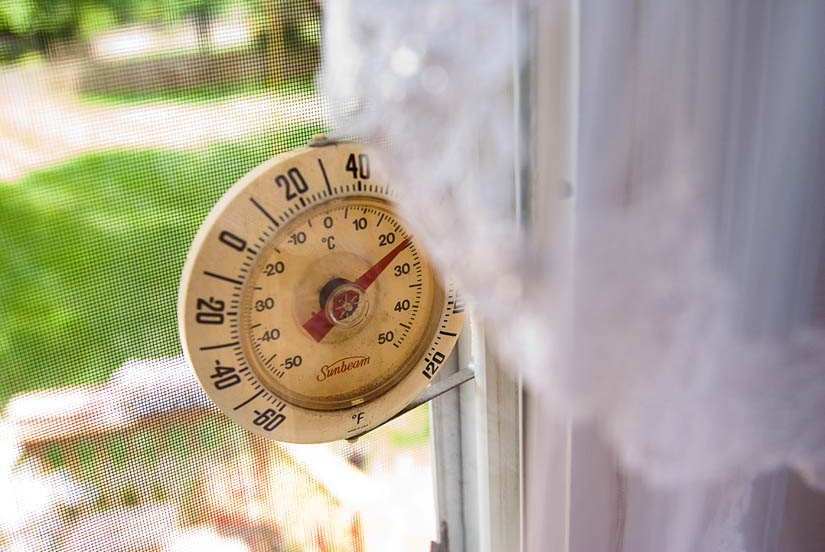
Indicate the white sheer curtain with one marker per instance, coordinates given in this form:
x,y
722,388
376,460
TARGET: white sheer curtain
x,y
694,331
665,291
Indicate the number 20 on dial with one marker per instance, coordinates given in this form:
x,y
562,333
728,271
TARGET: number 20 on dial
x,y
306,308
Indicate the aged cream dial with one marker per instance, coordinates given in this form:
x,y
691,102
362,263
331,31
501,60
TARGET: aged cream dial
x,y
306,309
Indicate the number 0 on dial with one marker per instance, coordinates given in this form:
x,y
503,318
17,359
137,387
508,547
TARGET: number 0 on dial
x,y
306,309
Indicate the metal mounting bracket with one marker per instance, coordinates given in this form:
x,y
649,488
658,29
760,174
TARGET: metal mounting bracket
x,y
319,140
432,391
443,544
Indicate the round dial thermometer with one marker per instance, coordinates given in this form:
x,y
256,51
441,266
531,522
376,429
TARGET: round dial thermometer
x,y
306,309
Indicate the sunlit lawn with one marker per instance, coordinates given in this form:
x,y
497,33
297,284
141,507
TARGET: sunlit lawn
x,y
91,253
210,93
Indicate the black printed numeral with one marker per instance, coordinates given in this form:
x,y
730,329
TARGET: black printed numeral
x,y
233,241
210,311
360,166
264,304
293,183
224,376
273,269
268,419
271,335
433,365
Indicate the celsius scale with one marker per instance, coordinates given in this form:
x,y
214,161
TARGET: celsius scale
x,y
306,309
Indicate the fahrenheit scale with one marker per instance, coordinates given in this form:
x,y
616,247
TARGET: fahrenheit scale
x,y
305,307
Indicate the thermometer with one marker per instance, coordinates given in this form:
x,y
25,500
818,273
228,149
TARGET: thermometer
x,y
306,307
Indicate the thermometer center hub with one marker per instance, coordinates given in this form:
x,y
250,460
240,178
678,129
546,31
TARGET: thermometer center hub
x,y
347,305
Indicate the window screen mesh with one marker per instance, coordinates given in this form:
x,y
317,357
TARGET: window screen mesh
x,y
121,124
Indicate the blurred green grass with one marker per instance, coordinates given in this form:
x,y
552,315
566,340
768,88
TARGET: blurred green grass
x,y
203,94
91,253
413,429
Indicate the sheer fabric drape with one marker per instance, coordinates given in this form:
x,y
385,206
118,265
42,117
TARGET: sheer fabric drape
x,y
673,307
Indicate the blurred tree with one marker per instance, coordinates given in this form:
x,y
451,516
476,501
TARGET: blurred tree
x,y
47,22
289,32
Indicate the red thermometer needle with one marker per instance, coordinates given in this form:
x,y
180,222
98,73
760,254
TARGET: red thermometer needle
x,y
319,325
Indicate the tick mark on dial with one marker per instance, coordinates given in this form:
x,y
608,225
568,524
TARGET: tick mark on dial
x,y
264,211
210,347
224,278
249,400
326,180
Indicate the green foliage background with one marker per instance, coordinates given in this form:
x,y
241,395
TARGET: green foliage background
x,y
37,25
66,19
91,253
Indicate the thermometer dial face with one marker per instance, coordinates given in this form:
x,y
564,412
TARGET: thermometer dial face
x,y
306,309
